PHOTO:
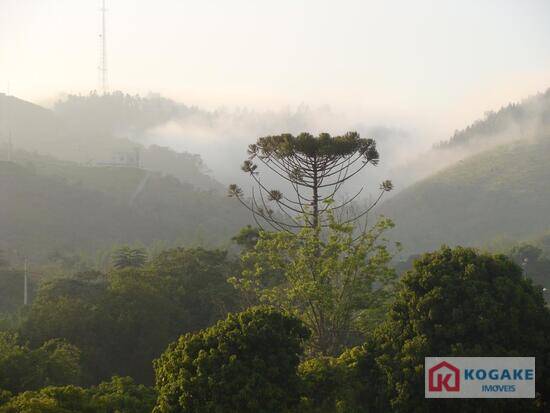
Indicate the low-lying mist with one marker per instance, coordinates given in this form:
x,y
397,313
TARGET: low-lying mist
x,y
221,138
90,129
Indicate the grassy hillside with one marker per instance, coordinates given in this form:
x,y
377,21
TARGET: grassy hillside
x,y
503,192
48,207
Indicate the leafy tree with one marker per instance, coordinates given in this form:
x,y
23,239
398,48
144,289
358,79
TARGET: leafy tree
x,y
120,395
321,382
350,383
198,280
124,320
246,363
126,257
147,316
332,284
459,302
21,368
120,325
247,237
364,388
314,168
76,311
68,399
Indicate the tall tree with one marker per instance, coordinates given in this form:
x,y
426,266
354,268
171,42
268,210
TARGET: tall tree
x,y
314,169
335,286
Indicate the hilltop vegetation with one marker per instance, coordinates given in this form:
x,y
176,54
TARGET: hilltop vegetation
x,y
50,207
496,189
95,129
500,193
528,119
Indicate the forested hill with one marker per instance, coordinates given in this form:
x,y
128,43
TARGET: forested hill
x,y
530,117
95,129
501,193
48,207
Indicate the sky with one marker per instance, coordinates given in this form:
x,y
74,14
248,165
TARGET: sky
x,y
438,64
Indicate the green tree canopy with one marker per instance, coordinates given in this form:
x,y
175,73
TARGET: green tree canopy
x,y
335,283
246,363
125,319
119,395
460,302
22,368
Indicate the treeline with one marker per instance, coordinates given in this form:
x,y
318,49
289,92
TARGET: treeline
x,y
81,331
311,317
527,119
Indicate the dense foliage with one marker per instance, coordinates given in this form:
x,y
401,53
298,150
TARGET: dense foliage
x,y
86,328
334,282
458,302
123,320
246,363
119,395
22,368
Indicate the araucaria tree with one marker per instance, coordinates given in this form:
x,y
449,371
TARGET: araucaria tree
x,y
314,169
317,263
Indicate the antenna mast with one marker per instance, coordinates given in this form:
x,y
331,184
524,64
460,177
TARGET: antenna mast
x,y
103,50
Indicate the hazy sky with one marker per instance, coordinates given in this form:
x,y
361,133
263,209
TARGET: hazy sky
x,y
440,62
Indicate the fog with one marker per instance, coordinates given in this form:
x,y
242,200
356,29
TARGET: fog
x,y
407,75
221,137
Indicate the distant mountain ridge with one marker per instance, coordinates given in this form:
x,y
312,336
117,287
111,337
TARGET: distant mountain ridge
x,y
94,129
501,193
529,118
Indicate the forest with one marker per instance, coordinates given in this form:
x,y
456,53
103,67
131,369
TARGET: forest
x,y
306,308
274,206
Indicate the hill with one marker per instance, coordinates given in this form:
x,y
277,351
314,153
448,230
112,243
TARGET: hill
x,y
96,129
525,119
503,192
49,207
